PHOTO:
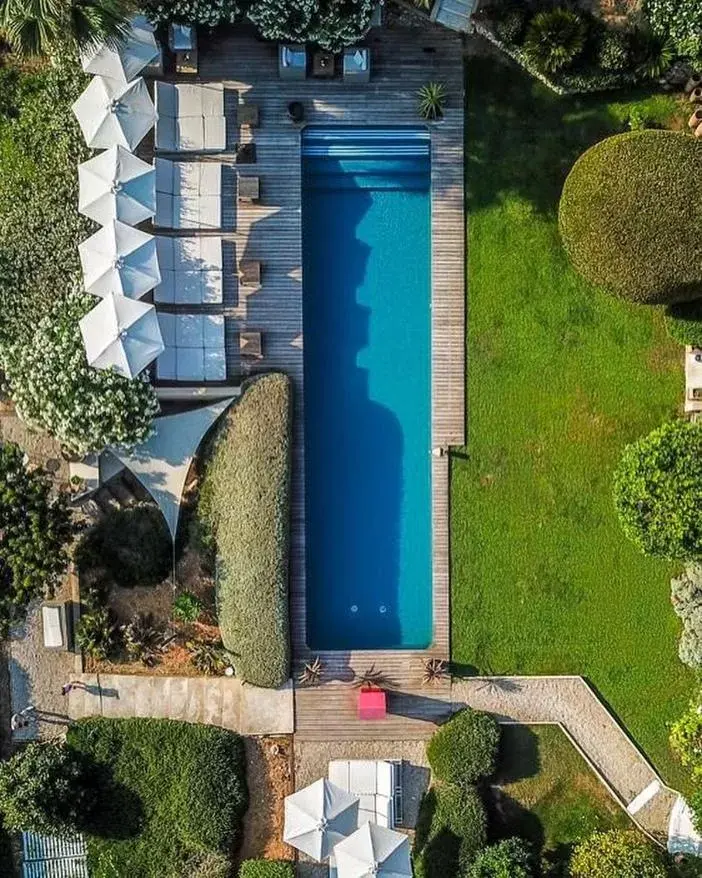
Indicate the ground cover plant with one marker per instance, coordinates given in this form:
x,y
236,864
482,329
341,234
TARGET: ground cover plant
x,y
244,503
560,379
171,795
547,794
267,869
624,854
627,220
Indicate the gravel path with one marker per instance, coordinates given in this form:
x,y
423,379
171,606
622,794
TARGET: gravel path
x,y
572,703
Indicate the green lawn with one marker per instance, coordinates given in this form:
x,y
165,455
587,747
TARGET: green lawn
x,y
560,377
548,794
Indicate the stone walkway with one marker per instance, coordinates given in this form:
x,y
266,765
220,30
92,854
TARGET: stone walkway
x,y
219,701
571,703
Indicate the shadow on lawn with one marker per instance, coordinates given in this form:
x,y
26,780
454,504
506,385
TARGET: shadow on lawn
x,y
522,138
118,812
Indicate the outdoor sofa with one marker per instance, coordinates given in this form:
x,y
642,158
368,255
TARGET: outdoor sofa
x,y
356,64
190,117
292,61
191,271
188,195
194,348
378,785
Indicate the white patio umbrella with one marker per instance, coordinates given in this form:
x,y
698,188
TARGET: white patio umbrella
x,y
372,851
127,57
116,185
319,817
119,259
111,113
121,334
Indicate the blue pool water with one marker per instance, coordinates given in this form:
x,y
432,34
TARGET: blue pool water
x,y
366,278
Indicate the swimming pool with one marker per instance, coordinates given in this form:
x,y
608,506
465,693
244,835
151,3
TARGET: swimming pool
x,y
367,358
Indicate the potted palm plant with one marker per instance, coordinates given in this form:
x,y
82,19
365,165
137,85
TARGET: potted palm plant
x,y
432,98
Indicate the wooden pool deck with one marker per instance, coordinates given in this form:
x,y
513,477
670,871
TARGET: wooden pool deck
x,y
403,59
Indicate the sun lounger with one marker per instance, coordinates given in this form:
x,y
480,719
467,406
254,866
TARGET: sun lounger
x,y
190,117
188,195
357,64
376,783
194,348
292,61
191,271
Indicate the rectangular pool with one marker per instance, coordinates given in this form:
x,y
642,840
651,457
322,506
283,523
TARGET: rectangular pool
x,y
366,221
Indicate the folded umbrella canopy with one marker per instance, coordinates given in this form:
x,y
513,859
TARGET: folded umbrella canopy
x,y
121,334
371,851
111,113
119,259
125,58
117,185
319,817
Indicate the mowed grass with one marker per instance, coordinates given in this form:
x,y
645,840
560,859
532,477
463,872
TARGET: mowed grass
x,y
548,794
560,378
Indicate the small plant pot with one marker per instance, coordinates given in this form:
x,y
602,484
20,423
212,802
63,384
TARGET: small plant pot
x,y
695,81
695,119
696,95
296,112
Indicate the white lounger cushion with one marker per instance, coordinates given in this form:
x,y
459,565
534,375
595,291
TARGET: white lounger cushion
x,y
190,117
372,782
188,194
195,347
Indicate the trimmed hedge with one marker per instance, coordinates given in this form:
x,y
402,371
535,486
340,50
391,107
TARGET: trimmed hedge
x,y
684,322
629,220
451,830
464,750
245,501
267,869
658,492
168,792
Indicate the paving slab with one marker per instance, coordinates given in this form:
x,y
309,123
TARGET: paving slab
x,y
267,711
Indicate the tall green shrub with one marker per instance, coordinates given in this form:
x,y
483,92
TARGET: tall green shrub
x,y
44,788
658,491
511,858
245,503
36,528
679,20
451,830
464,749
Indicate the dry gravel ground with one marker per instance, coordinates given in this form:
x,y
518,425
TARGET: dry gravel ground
x,y
269,773
312,760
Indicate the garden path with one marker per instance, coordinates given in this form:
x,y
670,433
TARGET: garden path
x,y
572,704
217,701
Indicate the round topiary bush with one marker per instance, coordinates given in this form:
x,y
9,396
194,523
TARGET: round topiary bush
x,y
614,50
658,492
629,219
684,322
451,830
464,750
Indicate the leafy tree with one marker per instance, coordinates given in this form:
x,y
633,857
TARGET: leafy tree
x,y
555,38
620,853
44,788
34,530
511,858
210,14
679,20
38,27
658,491
331,24
55,390
464,749
686,740
283,19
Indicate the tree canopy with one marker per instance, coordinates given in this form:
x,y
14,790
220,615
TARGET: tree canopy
x,y
621,853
